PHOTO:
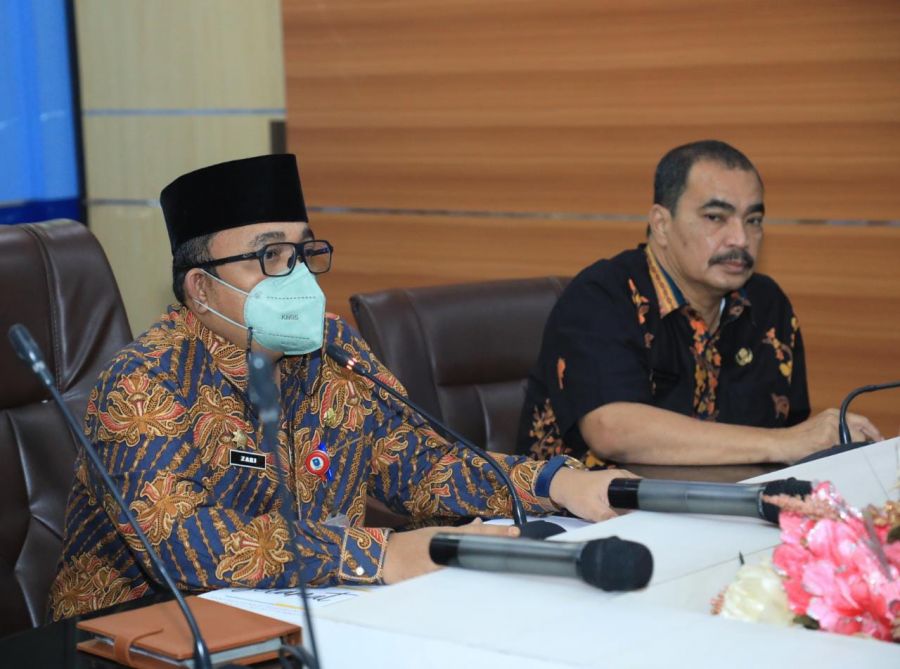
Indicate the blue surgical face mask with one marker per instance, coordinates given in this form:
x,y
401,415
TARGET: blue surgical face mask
x,y
285,313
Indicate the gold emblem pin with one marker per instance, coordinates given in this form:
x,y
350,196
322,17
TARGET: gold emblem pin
x,y
744,357
330,418
239,439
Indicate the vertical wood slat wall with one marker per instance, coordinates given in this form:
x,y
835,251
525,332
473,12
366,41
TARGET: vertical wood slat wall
x,y
168,86
465,140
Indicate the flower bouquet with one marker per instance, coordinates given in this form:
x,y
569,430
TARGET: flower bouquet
x,y
837,569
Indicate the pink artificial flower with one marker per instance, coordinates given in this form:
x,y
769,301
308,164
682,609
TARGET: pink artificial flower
x,y
849,601
832,574
791,559
836,541
794,528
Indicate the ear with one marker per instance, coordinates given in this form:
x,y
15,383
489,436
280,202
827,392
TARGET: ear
x,y
659,220
196,290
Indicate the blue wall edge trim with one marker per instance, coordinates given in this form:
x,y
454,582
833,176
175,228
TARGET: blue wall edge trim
x,y
33,211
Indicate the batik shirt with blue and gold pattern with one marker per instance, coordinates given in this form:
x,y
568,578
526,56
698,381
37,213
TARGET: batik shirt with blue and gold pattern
x,y
166,417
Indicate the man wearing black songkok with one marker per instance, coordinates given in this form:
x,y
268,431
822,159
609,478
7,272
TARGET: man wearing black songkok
x,y
171,419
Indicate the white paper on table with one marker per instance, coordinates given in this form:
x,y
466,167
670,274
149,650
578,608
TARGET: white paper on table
x,y
284,604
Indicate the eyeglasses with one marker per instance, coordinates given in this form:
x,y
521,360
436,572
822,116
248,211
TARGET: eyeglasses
x,y
279,258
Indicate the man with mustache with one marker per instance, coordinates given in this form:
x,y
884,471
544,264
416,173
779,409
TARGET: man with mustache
x,y
676,352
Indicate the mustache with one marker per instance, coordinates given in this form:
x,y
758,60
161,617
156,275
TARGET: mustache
x,y
731,256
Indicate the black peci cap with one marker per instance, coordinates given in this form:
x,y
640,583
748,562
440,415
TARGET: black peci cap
x,y
228,195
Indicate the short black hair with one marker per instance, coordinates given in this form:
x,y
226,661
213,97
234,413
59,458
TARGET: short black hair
x,y
672,171
188,255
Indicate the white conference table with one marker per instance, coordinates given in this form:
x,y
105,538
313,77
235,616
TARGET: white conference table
x,y
461,618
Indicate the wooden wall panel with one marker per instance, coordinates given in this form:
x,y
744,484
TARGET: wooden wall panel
x,y
134,157
443,119
172,54
135,241
375,252
527,105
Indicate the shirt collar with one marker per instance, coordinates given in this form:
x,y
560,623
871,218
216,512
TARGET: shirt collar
x,y
229,359
668,294
670,297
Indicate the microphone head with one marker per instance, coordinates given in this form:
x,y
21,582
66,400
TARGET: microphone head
x,y
261,382
339,355
623,493
23,343
790,486
444,548
29,352
613,564
539,529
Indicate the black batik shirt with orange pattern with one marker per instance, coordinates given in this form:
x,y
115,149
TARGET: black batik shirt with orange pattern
x,y
166,416
623,332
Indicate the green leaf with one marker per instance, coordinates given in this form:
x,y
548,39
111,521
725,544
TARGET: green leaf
x,y
894,534
807,622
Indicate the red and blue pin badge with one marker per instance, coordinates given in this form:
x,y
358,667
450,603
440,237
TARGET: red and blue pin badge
x,y
318,463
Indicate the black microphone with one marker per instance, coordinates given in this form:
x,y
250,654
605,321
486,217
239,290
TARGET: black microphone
x,y
843,429
264,397
727,499
536,529
28,351
610,564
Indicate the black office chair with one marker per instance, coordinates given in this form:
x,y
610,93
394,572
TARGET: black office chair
x,y
463,351
57,282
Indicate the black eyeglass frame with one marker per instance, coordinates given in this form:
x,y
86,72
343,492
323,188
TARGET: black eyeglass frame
x,y
299,252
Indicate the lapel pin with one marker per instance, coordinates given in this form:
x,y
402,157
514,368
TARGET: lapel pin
x,y
318,463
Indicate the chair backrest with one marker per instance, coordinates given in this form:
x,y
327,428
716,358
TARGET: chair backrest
x,y
54,279
463,351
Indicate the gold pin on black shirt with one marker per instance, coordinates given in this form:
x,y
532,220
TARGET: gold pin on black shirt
x,y
744,357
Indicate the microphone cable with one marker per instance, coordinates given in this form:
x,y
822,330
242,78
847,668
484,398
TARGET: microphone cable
x,y
843,429
264,395
27,349
536,529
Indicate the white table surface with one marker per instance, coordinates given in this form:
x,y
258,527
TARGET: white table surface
x,y
475,619
461,618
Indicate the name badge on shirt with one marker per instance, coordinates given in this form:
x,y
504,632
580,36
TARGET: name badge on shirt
x,y
247,459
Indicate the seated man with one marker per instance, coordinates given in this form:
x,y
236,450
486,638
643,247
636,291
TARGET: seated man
x,y
172,421
676,352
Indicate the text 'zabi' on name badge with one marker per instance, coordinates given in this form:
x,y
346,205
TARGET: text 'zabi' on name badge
x,y
247,459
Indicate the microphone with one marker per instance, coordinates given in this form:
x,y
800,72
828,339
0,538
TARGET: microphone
x,y
727,499
264,397
28,351
610,564
843,429
536,529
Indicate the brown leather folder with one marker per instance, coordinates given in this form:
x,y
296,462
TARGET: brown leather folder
x,y
158,637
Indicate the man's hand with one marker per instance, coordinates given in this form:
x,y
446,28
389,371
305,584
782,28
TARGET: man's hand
x,y
821,431
585,493
406,553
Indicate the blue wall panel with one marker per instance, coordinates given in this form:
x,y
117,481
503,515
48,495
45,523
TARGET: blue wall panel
x,y
39,171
